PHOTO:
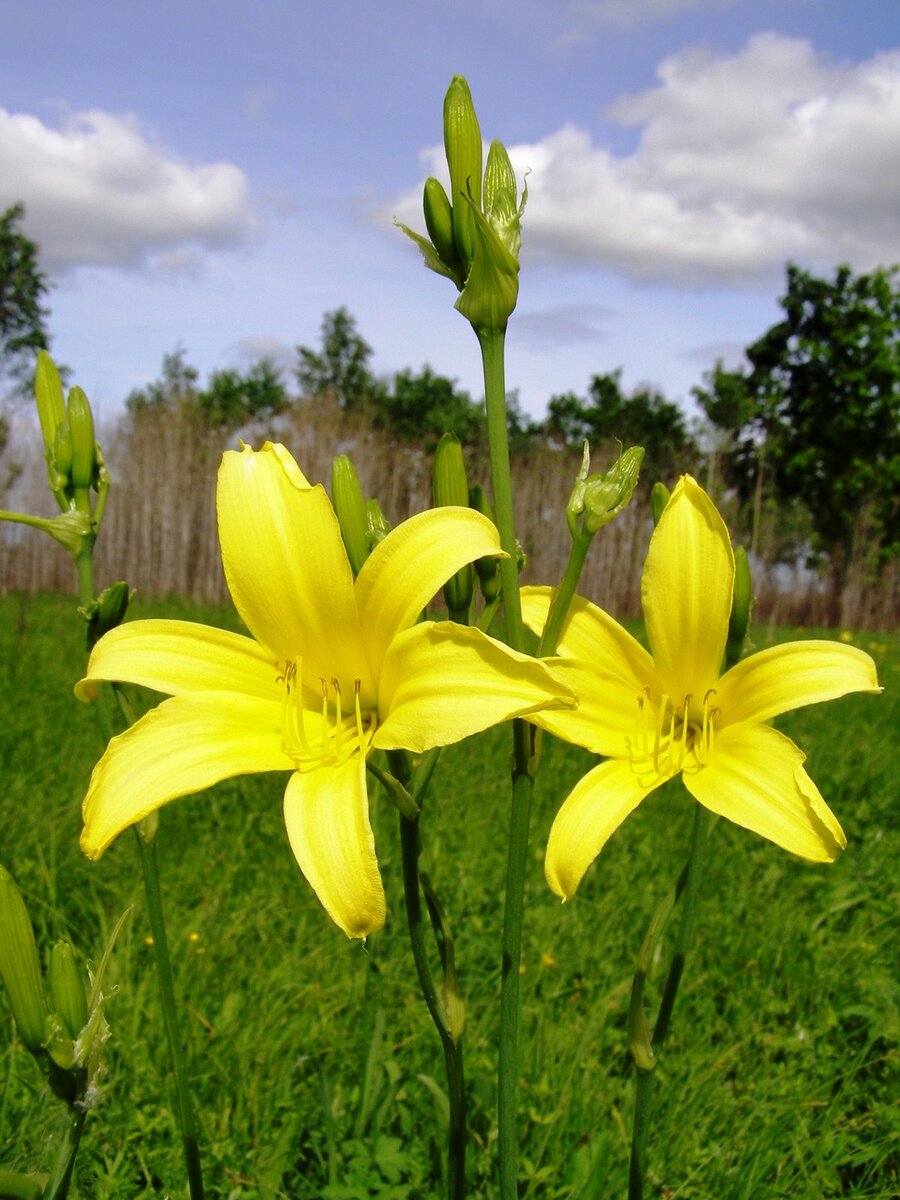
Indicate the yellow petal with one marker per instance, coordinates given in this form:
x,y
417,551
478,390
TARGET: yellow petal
x,y
607,719
593,636
781,678
590,814
756,779
286,566
181,656
441,682
326,812
686,592
412,564
185,745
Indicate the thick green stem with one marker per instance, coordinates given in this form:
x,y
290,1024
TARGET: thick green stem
x,y
57,1187
492,349
646,1078
186,1116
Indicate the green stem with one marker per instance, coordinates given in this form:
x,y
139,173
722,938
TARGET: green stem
x,y
646,1078
57,1187
84,565
563,596
186,1116
492,351
453,1053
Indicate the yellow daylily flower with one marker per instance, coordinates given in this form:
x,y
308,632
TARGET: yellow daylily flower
x,y
334,669
653,716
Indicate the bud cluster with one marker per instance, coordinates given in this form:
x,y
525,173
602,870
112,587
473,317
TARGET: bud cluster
x,y
474,234
597,499
66,1032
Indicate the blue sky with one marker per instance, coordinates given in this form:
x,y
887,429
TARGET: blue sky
x,y
220,175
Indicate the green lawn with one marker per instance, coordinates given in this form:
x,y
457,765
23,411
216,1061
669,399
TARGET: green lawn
x,y
315,1068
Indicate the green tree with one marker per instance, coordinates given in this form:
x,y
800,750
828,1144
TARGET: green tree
x,y
422,406
176,387
824,386
231,399
341,368
22,288
643,418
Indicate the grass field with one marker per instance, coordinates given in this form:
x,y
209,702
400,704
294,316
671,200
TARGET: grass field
x,y
314,1064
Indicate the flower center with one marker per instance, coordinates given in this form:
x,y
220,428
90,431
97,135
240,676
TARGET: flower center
x,y
314,734
671,736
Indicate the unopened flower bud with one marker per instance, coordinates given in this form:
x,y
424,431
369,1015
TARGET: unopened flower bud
x,y
606,495
19,967
350,507
462,144
81,424
439,223
48,394
68,994
597,499
659,498
377,524
61,458
450,487
487,569
449,483
501,206
741,603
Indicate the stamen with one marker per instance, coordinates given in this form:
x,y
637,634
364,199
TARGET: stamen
x,y
338,718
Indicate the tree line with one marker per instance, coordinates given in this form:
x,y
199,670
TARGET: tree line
x,y
805,436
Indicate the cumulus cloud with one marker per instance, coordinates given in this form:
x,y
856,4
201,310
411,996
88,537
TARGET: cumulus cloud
x,y
741,162
100,190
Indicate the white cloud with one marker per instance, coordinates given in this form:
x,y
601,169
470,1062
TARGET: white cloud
x,y
100,190
742,162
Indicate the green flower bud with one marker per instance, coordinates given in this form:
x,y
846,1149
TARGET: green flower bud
x,y
659,498
350,507
597,499
741,604
439,223
48,394
81,423
377,524
68,994
19,967
462,145
501,199
606,495
449,483
107,611
450,487
61,457
487,569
